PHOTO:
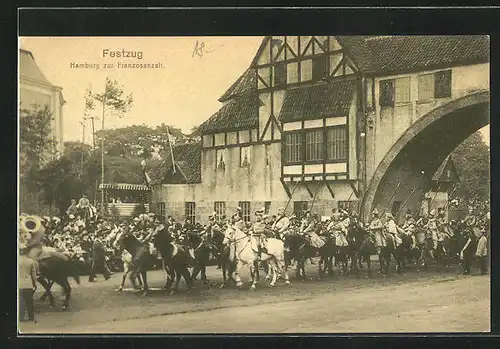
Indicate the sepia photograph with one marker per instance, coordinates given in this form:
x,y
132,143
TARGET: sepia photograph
x,y
244,184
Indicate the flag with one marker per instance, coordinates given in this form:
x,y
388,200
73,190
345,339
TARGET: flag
x,y
148,179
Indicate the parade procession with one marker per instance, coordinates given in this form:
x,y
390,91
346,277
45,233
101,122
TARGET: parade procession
x,y
335,184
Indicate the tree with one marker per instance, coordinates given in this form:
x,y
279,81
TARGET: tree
x,y
111,99
472,161
35,148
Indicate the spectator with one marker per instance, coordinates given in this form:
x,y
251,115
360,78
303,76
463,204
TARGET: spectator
x,y
27,286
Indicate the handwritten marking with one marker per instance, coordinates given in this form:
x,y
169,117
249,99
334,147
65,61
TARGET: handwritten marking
x,y
198,49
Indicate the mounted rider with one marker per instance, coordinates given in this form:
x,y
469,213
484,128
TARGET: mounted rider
x,y
432,230
258,237
308,227
409,227
376,227
238,221
339,224
442,225
282,223
391,228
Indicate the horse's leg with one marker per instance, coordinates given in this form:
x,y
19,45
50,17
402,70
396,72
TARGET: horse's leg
x,y
46,294
143,274
67,292
237,276
272,268
47,286
369,264
253,274
178,275
188,279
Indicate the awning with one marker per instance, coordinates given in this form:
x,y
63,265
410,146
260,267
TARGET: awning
x,y
124,186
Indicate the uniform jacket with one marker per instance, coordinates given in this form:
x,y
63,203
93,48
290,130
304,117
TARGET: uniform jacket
x,y
281,224
376,224
259,228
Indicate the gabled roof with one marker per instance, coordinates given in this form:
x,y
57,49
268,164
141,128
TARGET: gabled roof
x,y
246,82
188,166
314,102
240,112
29,69
442,176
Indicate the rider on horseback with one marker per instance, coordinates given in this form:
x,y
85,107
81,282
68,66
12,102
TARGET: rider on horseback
x,y
376,227
392,229
432,229
258,231
282,223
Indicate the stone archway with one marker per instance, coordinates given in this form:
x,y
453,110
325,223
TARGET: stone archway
x,y
426,144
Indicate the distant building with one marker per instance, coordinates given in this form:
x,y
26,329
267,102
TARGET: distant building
x,y
36,91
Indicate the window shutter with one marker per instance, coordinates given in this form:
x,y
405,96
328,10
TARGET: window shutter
x,y
387,93
442,84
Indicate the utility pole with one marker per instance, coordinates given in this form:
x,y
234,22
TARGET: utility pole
x,y
83,142
93,132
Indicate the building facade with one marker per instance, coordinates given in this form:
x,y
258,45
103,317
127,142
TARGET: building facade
x,y
35,91
310,121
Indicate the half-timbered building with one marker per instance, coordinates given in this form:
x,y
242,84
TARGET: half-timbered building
x,y
302,127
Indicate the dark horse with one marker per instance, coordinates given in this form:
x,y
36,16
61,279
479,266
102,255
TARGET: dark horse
x,y
142,260
210,253
56,267
175,260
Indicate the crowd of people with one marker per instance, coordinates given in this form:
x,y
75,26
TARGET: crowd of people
x,y
86,235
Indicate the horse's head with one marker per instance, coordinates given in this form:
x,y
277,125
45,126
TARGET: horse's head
x,y
229,235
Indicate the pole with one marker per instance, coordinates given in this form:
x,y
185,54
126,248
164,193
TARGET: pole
x,y
291,195
172,150
390,199
83,141
93,133
102,150
404,203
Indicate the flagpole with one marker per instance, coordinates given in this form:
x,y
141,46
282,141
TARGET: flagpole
x,y
171,150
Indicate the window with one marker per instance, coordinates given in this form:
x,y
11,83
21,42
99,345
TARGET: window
x,y
442,84
336,148
402,94
208,141
266,149
245,156
386,93
245,210
220,159
299,207
319,68
161,211
437,85
293,147
314,145
292,72
349,206
306,70
267,206
280,75
220,210
425,87
190,212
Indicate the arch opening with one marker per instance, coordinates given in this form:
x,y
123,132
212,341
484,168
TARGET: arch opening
x,y
406,171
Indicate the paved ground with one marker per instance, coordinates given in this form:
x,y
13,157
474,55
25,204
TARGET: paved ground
x,y
430,301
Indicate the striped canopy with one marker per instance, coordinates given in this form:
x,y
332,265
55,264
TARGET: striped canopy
x,y
124,186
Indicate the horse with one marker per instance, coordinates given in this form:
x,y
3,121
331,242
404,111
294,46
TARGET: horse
x,y
243,250
175,260
210,253
55,267
141,258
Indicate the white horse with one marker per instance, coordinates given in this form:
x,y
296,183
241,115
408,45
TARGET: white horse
x,y
243,250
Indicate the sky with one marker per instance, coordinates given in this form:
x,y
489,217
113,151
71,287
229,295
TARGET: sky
x,y
184,92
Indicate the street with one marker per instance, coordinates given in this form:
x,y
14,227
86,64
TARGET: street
x,y
431,301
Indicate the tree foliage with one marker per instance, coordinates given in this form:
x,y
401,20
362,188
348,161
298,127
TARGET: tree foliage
x,y
472,161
